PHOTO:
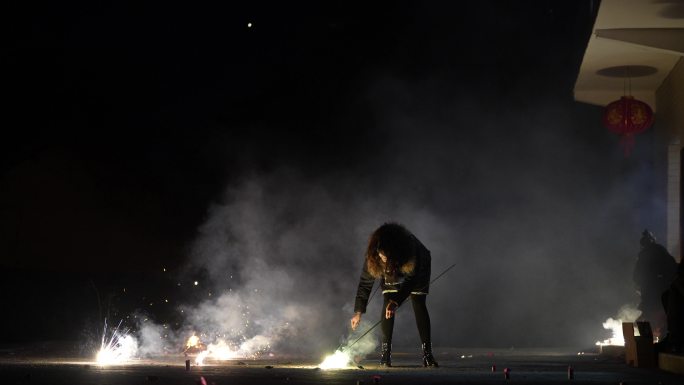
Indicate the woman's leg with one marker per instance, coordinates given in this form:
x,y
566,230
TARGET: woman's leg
x,y
423,323
422,317
387,325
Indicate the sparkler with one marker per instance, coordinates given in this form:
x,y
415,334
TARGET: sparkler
x,y
119,348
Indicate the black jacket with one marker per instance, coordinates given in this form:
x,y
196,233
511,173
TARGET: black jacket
x,y
415,282
654,270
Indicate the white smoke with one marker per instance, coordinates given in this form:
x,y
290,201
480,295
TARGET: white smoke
x,y
361,347
284,255
153,338
284,265
627,313
353,349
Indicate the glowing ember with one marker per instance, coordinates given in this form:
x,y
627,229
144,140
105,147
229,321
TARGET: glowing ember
x,y
118,349
199,360
192,342
220,351
338,360
224,350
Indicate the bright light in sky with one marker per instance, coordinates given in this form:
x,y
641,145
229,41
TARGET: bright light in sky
x,y
249,25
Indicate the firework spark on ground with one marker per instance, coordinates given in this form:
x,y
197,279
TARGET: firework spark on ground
x,y
352,351
223,351
119,348
337,360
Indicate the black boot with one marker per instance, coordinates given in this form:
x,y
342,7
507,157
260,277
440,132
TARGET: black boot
x,y
428,358
386,358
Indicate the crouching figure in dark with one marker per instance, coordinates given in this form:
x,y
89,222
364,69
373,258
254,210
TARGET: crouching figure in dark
x,y
653,272
402,263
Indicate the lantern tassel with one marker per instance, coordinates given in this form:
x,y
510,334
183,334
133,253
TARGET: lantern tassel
x,y
627,142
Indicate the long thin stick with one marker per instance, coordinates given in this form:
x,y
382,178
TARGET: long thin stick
x,y
378,323
374,291
444,272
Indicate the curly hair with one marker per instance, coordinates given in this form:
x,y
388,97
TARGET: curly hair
x,y
396,243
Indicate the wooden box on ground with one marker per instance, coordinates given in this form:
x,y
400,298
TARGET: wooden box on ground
x,y
639,351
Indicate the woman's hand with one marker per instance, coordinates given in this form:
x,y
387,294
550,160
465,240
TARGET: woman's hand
x,y
356,319
391,308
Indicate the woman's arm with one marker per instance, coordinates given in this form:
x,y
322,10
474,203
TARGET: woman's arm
x,y
363,291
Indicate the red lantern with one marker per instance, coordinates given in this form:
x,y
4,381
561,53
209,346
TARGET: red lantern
x,y
627,117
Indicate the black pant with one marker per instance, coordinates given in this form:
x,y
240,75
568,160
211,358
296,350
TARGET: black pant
x,y
422,319
673,301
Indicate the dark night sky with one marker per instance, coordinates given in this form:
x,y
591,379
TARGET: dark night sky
x,y
127,122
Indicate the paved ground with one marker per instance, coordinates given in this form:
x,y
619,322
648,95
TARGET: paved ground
x,y
458,366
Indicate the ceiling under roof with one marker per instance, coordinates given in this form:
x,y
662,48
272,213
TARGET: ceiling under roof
x,y
634,46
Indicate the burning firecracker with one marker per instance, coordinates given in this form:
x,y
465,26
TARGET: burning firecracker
x,y
118,348
194,345
337,360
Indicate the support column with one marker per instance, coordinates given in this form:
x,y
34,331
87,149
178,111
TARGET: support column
x,y
673,197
